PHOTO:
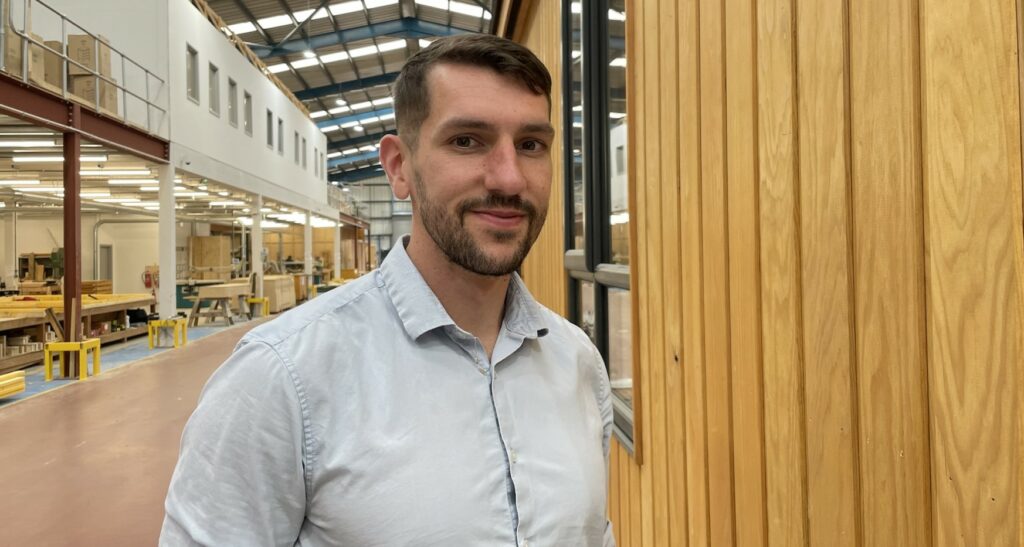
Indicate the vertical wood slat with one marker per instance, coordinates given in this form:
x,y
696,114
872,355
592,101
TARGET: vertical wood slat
x,y
671,291
785,465
744,280
614,481
692,359
972,199
889,273
826,275
658,457
714,258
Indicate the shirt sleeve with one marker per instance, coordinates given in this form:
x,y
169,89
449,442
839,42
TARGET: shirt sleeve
x,y
604,401
240,478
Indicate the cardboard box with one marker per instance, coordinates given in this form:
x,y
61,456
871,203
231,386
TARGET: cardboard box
x,y
53,64
83,49
84,89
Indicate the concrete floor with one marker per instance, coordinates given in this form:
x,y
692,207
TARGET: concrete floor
x,y
89,463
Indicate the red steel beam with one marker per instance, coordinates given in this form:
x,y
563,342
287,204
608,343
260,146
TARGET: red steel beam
x,y
72,289
43,108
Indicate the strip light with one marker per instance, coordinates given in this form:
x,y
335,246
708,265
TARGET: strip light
x,y
55,159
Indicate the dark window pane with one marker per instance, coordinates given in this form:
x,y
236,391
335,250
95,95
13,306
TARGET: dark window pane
x,y
576,131
586,309
617,123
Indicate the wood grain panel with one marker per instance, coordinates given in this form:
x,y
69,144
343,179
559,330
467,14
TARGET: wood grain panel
x,y
744,274
657,455
691,274
889,270
971,132
832,487
785,467
671,290
714,224
614,497
544,268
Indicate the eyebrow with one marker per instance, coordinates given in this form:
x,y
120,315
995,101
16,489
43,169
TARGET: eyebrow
x,y
471,123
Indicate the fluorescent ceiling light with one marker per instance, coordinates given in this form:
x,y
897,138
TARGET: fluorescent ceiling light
x,y
39,189
280,67
21,134
304,63
275,21
616,115
201,187
329,128
55,159
333,155
132,182
116,200
390,116
228,203
340,102
152,207
358,129
616,15
347,125
360,106
371,119
576,7
618,61
382,101
318,114
339,110
187,194
367,148
370,4
222,194
114,172
149,189
26,144
308,54
90,195
350,151
18,182
424,43
576,54
332,57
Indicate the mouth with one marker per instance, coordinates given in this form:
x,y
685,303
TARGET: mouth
x,y
503,219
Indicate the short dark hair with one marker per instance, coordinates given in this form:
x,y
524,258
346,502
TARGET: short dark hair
x,y
508,58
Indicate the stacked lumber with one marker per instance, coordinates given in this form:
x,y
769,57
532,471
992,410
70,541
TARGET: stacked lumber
x,y
98,286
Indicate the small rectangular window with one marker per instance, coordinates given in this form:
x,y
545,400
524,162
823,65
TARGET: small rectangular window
x,y
303,152
296,148
214,85
280,136
232,103
270,129
316,164
247,112
192,73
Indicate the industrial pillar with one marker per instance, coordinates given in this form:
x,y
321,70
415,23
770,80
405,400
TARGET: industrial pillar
x,y
72,289
167,301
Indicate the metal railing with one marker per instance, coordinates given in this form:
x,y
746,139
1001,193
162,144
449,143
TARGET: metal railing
x,y
155,115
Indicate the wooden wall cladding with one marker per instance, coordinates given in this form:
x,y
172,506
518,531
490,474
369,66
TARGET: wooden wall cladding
x,y
829,272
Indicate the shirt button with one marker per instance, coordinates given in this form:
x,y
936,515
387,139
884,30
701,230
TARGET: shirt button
x,y
515,458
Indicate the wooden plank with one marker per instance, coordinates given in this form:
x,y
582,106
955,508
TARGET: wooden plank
x,y
625,524
671,293
975,307
889,271
744,275
785,457
635,516
657,456
716,274
832,468
694,406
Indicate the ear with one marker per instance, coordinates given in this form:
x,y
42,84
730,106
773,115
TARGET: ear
x,y
393,155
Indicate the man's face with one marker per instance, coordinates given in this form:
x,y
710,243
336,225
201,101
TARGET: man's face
x,y
481,170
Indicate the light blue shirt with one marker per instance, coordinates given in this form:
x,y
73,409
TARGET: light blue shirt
x,y
366,417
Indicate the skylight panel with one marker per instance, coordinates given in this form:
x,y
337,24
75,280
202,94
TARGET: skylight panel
x,y
382,101
362,51
466,9
342,8
391,46
438,4
275,21
318,114
281,67
303,14
303,63
370,4
360,106
339,109
242,28
332,57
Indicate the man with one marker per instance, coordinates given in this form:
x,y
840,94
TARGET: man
x,y
432,402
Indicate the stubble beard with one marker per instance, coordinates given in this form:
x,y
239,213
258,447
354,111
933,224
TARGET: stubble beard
x,y
450,235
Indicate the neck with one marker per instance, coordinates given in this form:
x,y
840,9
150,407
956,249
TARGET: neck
x,y
475,302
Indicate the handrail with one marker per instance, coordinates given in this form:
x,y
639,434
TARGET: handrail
x,y
27,41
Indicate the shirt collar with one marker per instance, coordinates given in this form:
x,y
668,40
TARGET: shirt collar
x,y
421,311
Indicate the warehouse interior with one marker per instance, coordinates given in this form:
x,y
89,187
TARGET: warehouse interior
x,y
793,230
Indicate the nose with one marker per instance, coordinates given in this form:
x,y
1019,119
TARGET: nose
x,y
504,172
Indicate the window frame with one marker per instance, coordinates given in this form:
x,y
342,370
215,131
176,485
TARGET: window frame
x,y
270,129
247,112
280,137
232,102
213,88
191,73
593,263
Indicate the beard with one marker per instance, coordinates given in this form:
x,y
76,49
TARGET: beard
x,y
448,230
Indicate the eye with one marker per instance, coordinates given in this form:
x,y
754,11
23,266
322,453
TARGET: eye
x,y
462,141
533,145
